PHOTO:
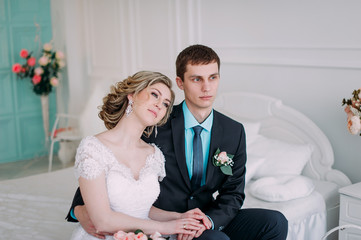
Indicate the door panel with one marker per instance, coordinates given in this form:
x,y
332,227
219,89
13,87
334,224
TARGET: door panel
x,y
21,125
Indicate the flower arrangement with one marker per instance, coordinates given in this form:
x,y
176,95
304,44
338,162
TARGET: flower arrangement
x,y
224,161
353,110
137,235
44,76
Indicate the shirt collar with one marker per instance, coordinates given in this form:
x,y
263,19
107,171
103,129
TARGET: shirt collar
x,y
190,121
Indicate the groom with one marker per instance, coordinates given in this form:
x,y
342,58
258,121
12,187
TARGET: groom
x,y
189,141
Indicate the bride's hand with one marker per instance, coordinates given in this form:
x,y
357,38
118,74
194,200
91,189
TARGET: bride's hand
x,y
186,226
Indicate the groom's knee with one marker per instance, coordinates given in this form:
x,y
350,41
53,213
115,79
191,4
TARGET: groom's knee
x,y
213,235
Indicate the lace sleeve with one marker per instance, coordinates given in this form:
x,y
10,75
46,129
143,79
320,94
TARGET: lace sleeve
x,y
161,164
88,160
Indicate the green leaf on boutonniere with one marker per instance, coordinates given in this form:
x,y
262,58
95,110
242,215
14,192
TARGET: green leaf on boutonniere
x,y
227,170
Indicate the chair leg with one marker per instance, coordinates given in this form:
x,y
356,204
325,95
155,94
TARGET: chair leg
x,y
51,155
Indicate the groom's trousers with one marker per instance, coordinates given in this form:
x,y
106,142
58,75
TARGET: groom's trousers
x,y
252,224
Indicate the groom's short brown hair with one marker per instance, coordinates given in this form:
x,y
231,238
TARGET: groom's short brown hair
x,y
195,55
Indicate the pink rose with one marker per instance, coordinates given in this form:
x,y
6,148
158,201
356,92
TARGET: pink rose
x,y
36,79
54,81
38,71
120,235
130,236
43,61
156,236
31,61
24,53
17,67
141,236
222,157
354,125
47,47
59,55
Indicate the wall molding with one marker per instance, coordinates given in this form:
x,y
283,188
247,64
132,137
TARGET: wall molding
x,y
341,57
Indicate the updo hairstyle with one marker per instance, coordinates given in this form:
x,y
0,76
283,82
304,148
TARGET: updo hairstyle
x,y
115,103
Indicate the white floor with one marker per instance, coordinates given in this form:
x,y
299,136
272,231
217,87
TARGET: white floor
x,y
28,167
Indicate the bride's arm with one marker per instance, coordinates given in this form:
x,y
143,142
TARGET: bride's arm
x,y
95,197
162,215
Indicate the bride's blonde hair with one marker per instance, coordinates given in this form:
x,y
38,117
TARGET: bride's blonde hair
x,y
115,103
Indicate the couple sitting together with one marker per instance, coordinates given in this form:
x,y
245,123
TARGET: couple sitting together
x,y
157,167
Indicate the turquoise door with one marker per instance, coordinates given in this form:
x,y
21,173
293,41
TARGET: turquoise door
x,y
21,126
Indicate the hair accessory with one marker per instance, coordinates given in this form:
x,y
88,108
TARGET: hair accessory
x,y
129,109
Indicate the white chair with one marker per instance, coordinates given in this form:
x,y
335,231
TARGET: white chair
x,y
65,128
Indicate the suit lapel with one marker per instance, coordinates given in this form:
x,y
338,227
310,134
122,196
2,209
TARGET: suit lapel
x,y
216,140
179,141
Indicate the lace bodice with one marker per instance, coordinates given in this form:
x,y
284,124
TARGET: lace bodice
x,y
126,194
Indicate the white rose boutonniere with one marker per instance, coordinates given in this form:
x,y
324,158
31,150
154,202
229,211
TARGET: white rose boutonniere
x,y
224,161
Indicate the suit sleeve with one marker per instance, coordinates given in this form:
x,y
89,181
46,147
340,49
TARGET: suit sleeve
x,y
231,193
77,200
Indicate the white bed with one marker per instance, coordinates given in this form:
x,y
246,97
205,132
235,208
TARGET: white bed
x,y
309,216
35,207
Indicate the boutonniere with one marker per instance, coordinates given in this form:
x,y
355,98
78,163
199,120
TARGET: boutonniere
x,y
224,161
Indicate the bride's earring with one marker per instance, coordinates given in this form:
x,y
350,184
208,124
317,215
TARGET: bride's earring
x,y
156,131
129,109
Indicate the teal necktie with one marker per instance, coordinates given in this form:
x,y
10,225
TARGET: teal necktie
x,y
197,158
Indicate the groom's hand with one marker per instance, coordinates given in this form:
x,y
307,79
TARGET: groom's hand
x,y
196,213
200,216
81,214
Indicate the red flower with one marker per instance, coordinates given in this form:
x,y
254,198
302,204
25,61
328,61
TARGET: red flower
x,y
17,67
24,53
36,79
31,61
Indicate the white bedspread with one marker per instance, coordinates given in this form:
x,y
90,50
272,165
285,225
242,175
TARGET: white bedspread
x,y
35,207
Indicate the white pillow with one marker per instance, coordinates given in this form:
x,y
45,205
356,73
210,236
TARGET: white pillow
x,y
282,188
281,157
252,129
253,163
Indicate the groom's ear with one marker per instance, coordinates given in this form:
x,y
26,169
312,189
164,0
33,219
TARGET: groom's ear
x,y
179,82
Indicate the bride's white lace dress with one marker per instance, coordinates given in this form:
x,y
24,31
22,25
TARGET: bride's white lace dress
x,y
126,194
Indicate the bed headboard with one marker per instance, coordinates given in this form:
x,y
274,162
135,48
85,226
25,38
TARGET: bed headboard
x,y
284,123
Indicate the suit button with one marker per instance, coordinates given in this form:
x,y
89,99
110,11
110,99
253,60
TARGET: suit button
x,y
191,197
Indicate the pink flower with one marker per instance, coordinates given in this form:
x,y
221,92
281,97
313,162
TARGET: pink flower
x,y
36,79
17,67
54,81
43,61
24,53
38,71
59,55
354,125
141,236
31,61
222,157
156,236
120,235
47,47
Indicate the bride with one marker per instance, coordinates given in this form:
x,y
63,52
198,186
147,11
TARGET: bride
x,y
118,172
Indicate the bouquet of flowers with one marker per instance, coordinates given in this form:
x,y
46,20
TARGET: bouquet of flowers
x,y
44,76
138,234
353,110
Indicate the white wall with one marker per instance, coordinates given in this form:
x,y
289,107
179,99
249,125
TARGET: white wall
x,y
307,53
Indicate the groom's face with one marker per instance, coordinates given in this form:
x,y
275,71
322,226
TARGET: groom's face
x,y
200,86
